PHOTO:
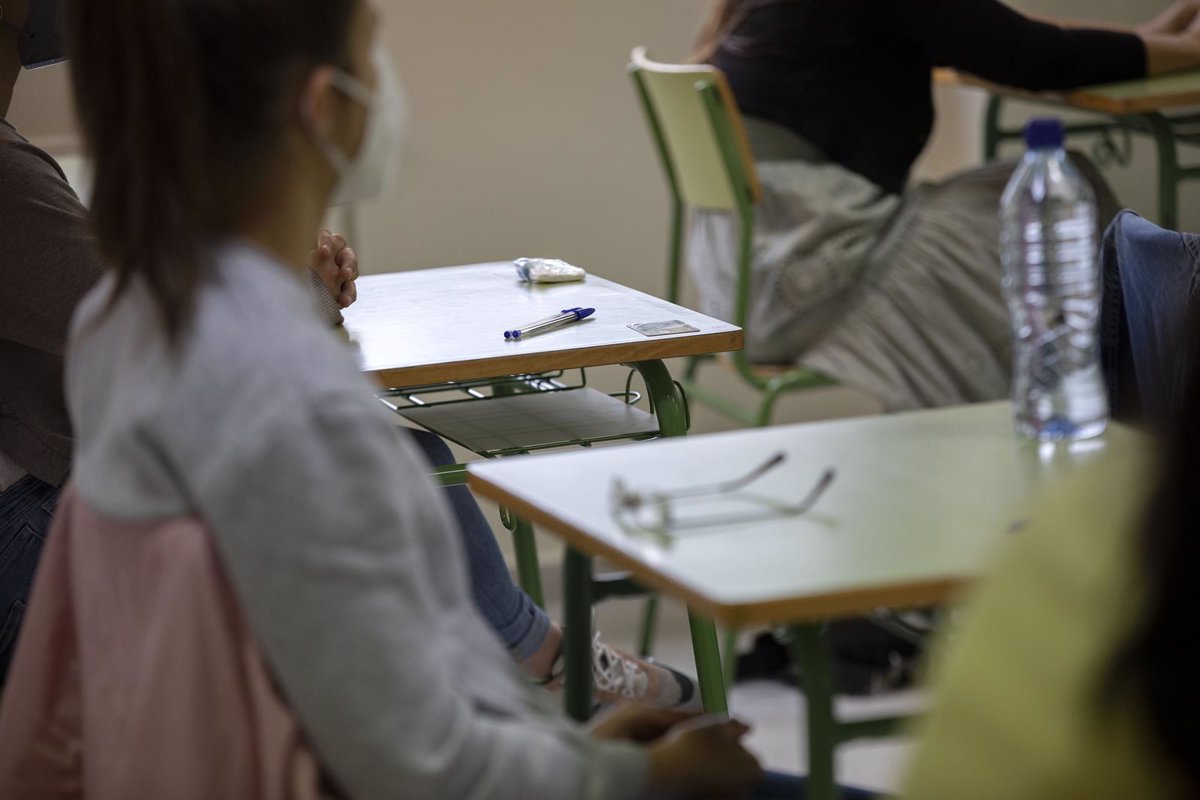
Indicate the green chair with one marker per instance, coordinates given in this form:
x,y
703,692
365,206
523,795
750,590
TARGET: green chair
x,y
705,153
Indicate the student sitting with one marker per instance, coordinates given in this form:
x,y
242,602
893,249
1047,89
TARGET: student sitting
x,y
53,262
219,130
894,290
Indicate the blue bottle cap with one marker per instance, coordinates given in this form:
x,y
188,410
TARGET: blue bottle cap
x,y
1044,133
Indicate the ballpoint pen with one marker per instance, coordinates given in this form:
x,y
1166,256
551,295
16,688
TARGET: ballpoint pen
x,y
567,315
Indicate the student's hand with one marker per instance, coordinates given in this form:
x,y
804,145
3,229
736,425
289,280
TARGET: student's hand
x,y
1171,52
1176,18
638,723
704,758
337,264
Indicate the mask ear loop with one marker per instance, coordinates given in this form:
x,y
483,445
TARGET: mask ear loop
x,y
353,88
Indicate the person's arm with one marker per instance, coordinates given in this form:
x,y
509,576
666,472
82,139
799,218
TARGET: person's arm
x,y
50,260
988,39
1171,38
323,518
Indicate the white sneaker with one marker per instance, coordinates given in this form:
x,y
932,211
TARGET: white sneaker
x,y
618,677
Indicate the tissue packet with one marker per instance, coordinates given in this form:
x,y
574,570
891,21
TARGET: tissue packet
x,y
547,270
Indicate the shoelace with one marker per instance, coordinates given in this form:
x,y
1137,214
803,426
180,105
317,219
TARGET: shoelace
x,y
612,672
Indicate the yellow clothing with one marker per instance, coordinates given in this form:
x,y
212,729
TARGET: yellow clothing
x,y
1018,709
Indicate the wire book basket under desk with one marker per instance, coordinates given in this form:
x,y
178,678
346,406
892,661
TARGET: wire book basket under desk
x,y
523,414
524,423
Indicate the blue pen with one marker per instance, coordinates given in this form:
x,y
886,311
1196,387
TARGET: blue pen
x,y
567,315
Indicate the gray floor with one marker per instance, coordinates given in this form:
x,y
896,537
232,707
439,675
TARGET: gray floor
x,y
775,711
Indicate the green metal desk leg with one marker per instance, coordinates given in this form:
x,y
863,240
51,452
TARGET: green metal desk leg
x,y
708,663
664,396
670,409
529,573
811,650
991,127
1159,128
577,634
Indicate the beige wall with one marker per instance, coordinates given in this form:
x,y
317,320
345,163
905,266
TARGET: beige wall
x,y
525,138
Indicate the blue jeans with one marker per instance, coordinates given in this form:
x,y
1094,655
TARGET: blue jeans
x,y
25,511
522,626
1149,274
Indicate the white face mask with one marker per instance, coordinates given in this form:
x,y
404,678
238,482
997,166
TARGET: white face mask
x,y
372,172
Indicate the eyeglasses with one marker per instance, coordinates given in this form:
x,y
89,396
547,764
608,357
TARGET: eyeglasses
x,y
655,511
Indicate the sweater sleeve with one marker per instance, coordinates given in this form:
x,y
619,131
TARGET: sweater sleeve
x,y
50,259
338,587
988,39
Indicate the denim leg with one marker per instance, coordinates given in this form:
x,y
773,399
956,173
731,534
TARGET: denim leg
x,y
522,626
25,511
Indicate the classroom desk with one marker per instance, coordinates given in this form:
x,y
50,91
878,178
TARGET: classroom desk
x,y
1156,107
919,501
426,327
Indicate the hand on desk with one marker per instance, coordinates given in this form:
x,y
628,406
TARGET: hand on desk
x,y
690,755
1176,18
337,265
1172,39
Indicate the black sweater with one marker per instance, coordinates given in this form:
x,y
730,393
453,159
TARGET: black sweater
x,y
854,76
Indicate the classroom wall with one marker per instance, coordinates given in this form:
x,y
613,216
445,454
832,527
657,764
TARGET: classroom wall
x,y
525,138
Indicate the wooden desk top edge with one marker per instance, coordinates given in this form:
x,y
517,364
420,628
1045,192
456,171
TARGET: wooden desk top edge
x,y
519,364
1089,98
930,591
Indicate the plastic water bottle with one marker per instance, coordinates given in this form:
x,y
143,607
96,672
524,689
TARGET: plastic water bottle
x,y
1052,284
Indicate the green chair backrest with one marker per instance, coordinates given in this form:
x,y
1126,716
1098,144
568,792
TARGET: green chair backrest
x,y
699,131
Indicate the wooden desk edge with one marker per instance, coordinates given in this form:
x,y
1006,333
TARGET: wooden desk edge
x,y
790,610
599,356
1085,99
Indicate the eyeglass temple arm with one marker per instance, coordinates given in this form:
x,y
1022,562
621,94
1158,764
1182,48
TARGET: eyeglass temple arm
x,y
731,485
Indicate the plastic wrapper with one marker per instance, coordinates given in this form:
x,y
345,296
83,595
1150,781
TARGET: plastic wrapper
x,y
548,270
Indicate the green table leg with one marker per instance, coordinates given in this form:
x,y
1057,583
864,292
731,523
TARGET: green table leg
x,y
671,410
529,573
669,405
811,651
577,634
708,663
1159,128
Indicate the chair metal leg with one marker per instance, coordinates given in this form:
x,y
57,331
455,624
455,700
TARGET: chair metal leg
x,y
766,406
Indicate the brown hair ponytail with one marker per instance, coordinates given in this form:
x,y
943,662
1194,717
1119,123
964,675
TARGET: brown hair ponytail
x,y
180,101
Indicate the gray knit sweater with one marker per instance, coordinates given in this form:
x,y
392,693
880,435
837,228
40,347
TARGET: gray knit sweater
x,y
342,552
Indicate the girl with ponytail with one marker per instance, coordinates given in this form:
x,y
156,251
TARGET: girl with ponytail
x,y
201,387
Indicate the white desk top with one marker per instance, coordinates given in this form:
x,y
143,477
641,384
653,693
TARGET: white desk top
x,y
435,325
919,501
